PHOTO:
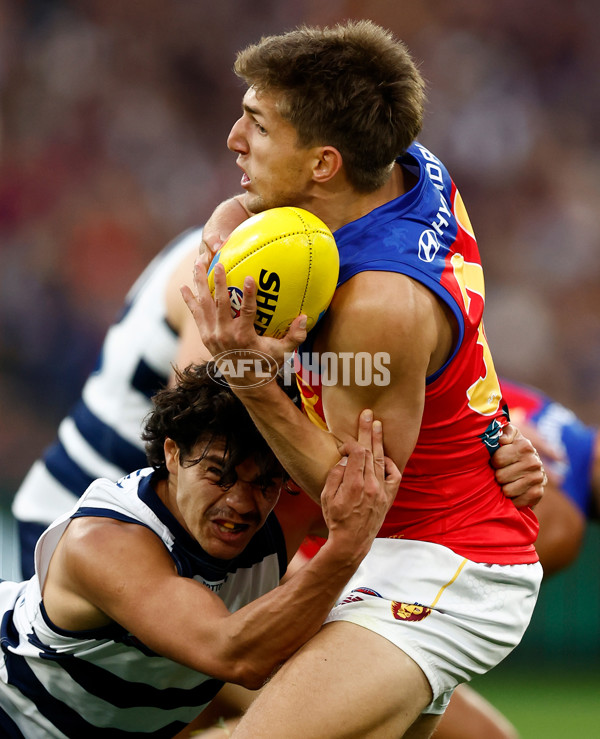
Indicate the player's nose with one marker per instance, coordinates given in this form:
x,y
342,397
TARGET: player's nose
x,y
241,497
237,141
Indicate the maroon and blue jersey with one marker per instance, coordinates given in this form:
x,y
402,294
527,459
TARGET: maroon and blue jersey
x,y
448,494
572,439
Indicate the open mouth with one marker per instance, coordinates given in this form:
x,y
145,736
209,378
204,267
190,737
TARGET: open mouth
x,y
228,527
245,180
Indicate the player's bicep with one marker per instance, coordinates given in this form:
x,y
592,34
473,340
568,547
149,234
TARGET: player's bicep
x,y
126,572
379,364
399,406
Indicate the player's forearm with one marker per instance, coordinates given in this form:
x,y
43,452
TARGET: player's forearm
x,y
306,451
266,632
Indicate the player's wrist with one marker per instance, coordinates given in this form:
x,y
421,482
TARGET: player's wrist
x,y
258,383
344,553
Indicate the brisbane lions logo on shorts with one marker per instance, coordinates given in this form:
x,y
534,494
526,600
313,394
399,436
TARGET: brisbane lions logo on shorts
x,y
409,611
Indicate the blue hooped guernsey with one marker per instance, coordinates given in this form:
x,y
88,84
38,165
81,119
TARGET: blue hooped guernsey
x,y
101,436
105,682
448,493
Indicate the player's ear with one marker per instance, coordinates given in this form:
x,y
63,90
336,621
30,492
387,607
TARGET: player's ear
x,y
171,455
328,163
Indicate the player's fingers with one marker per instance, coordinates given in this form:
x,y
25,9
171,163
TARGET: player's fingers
x,y
296,334
365,429
334,478
508,434
189,298
248,308
200,302
201,286
532,495
393,476
221,294
205,256
377,446
355,465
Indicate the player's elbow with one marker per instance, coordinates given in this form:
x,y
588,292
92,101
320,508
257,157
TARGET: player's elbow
x,y
250,674
562,529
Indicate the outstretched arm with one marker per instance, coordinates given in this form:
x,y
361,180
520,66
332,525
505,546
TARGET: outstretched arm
x,y
88,586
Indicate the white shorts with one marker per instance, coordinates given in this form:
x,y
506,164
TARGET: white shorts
x,y
455,618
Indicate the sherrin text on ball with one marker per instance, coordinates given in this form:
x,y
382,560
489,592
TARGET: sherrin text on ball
x,y
292,257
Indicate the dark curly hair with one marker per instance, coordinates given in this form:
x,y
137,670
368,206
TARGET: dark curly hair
x,y
199,409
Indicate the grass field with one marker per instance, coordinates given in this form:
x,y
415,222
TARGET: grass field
x,y
550,686
546,703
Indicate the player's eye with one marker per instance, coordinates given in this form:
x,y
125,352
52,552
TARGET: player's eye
x,y
214,472
268,488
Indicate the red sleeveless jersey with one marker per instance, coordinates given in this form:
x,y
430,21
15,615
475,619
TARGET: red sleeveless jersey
x,y
448,493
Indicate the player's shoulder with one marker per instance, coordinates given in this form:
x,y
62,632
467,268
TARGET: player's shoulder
x,y
386,310
389,297
90,540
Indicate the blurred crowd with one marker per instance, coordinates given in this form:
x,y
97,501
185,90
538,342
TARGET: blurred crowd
x,y
113,122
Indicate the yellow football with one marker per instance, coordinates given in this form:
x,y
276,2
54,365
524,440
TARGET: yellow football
x,y
293,258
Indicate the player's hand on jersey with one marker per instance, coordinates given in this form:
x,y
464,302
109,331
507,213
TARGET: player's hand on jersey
x,y
359,490
221,333
553,458
519,469
224,219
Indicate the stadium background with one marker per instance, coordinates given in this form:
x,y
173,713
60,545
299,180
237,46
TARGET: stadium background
x,y
113,120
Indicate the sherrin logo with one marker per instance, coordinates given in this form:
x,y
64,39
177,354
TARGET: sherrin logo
x,y
267,294
409,611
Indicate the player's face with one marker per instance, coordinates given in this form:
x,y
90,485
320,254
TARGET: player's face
x,y
222,520
276,170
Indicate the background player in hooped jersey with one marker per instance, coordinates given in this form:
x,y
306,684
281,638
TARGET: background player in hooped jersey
x,y
328,123
101,436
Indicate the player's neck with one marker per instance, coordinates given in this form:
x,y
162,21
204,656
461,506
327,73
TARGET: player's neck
x,y
340,204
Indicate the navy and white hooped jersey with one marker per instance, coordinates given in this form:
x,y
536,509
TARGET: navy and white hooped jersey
x,y
101,435
105,682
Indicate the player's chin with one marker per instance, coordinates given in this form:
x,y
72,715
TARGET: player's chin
x,y
256,203
259,202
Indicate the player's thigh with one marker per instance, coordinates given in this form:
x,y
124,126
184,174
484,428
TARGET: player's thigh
x,y
347,681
